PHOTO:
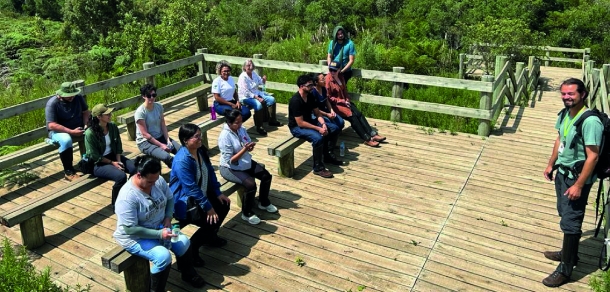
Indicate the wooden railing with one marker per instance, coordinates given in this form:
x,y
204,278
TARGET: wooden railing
x,y
490,91
148,74
471,62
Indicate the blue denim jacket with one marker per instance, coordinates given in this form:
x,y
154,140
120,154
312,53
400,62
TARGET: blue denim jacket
x,y
183,181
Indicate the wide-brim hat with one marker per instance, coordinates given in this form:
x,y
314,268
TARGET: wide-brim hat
x,y
68,89
100,109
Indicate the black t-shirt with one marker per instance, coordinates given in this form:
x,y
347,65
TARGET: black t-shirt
x,y
299,108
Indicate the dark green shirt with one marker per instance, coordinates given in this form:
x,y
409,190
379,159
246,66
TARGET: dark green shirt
x,y
95,147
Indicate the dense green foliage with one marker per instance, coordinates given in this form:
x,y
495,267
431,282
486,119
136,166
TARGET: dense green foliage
x,y
17,274
45,42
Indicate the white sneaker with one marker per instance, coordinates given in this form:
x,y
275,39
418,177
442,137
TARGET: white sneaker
x,y
270,208
252,219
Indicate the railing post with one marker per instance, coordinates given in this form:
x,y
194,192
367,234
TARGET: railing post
x,y
150,79
596,80
202,100
530,63
518,82
500,62
547,60
606,71
80,84
485,104
461,70
395,115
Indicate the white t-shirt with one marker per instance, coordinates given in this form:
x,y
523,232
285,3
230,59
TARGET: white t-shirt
x,y
136,208
226,88
107,150
230,143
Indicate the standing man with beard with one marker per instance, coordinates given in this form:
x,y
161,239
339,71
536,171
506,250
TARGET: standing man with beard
x,y
575,158
342,51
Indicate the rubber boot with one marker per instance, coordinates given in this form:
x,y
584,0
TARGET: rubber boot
x,y
158,280
258,122
189,275
569,255
115,194
318,165
67,160
329,154
273,116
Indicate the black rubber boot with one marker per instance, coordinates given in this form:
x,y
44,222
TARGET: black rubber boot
x,y
67,161
185,265
258,122
569,255
158,280
273,116
115,194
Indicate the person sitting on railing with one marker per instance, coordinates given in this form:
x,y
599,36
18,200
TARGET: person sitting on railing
x,y
104,149
340,101
249,94
152,137
66,114
323,136
194,184
225,95
237,165
144,211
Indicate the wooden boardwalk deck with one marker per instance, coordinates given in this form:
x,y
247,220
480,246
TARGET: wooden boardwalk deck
x,y
422,213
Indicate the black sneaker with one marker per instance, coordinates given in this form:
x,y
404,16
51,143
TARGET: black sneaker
x,y
261,131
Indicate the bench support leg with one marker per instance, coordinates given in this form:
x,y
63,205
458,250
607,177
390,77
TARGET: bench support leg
x,y
202,102
286,165
131,131
204,140
81,148
32,232
240,197
137,276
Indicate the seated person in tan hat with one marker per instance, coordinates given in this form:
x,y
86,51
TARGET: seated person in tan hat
x,y
66,114
104,149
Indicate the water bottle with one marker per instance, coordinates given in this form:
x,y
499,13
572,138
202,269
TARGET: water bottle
x,y
176,232
342,149
213,113
264,88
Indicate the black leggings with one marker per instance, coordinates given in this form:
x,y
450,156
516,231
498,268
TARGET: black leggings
x,y
360,124
207,230
246,178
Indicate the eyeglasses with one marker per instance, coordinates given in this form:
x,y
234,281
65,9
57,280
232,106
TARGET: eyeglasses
x,y
196,137
225,71
308,85
151,95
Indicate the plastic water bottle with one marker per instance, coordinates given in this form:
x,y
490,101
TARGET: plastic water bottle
x,y
176,232
264,87
342,149
213,113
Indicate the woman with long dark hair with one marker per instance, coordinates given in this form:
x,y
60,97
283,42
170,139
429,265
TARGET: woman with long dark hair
x,y
144,211
193,179
105,150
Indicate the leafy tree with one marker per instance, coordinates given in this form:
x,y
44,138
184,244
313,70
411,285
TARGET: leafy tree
x,y
86,22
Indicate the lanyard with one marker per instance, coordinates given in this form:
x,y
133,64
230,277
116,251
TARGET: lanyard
x,y
568,125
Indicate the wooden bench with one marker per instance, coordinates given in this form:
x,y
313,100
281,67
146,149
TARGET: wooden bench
x,y
136,270
284,151
34,151
207,125
197,92
29,215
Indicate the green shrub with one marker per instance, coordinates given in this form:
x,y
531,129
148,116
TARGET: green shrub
x,y
17,273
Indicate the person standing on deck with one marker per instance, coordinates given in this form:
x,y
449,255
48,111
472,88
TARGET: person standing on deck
x,y
575,158
342,51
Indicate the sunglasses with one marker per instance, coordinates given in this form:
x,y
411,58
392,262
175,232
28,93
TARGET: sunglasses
x,y
151,95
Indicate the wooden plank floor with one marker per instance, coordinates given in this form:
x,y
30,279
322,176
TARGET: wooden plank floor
x,y
422,213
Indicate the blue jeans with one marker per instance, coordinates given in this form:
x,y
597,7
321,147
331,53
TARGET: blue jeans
x,y
314,137
338,121
221,108
63,139
253,103
154,251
